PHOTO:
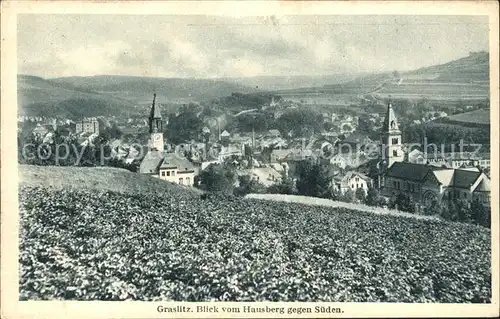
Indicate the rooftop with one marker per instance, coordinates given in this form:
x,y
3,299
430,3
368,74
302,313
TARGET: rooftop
x,y
175,161
151,162
464,178
410,171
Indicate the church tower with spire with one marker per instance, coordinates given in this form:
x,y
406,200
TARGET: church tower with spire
x,y
156,127
392,147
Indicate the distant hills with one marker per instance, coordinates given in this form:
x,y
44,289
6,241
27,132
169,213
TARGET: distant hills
x,y
471,69
73,97
272,83
464,79
139,89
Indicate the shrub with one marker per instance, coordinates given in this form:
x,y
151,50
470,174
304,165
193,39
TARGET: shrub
x,y
285,186
248,185
218,178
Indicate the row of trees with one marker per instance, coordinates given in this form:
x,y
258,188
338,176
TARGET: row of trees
x,y
473,212
446,134
63,149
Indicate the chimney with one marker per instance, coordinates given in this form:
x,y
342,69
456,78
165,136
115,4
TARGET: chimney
x,y
253,138
218,127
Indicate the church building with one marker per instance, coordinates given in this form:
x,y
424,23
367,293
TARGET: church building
x,y
391,141
157,163
156,128
424,183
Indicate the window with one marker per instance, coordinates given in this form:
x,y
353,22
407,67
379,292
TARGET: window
x,y
168,173
188,181
395,153
395,141
357,179
352,186
394,184
173,173
162,173
181,181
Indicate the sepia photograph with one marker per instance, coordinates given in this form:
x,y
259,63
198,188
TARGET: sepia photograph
x,y
265,161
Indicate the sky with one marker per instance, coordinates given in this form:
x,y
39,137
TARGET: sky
x,y
198,46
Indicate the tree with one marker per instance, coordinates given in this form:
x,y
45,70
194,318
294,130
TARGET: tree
x,y
113,132
462,210
403,202
312,179
360,194
249,185
185,126
334,194
247,122
284,186
300,121
480,214
348,196
218,178
372,197
434,208
448,212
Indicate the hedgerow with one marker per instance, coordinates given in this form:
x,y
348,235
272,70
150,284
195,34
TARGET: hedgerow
x,y
91,245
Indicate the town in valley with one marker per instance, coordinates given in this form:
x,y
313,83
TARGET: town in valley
x,y
265,140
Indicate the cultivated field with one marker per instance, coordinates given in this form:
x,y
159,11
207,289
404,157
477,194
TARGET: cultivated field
x,y
94,244
477,117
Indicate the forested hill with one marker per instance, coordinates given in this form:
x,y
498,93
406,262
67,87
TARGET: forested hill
x,y
74,97
136,88
41,97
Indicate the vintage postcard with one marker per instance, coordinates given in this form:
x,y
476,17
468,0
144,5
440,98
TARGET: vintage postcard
x,y
249,159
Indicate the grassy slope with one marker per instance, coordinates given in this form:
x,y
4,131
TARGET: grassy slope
x,y
481,117
100,178
87,243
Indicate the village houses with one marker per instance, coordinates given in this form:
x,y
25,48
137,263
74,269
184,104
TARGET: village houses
x,y
352,181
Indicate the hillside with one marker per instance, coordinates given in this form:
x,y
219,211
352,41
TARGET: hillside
x,y
465,79
90,242
474,118
41,97
462,79
472,68
74,97
273,83
98,179
139,89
